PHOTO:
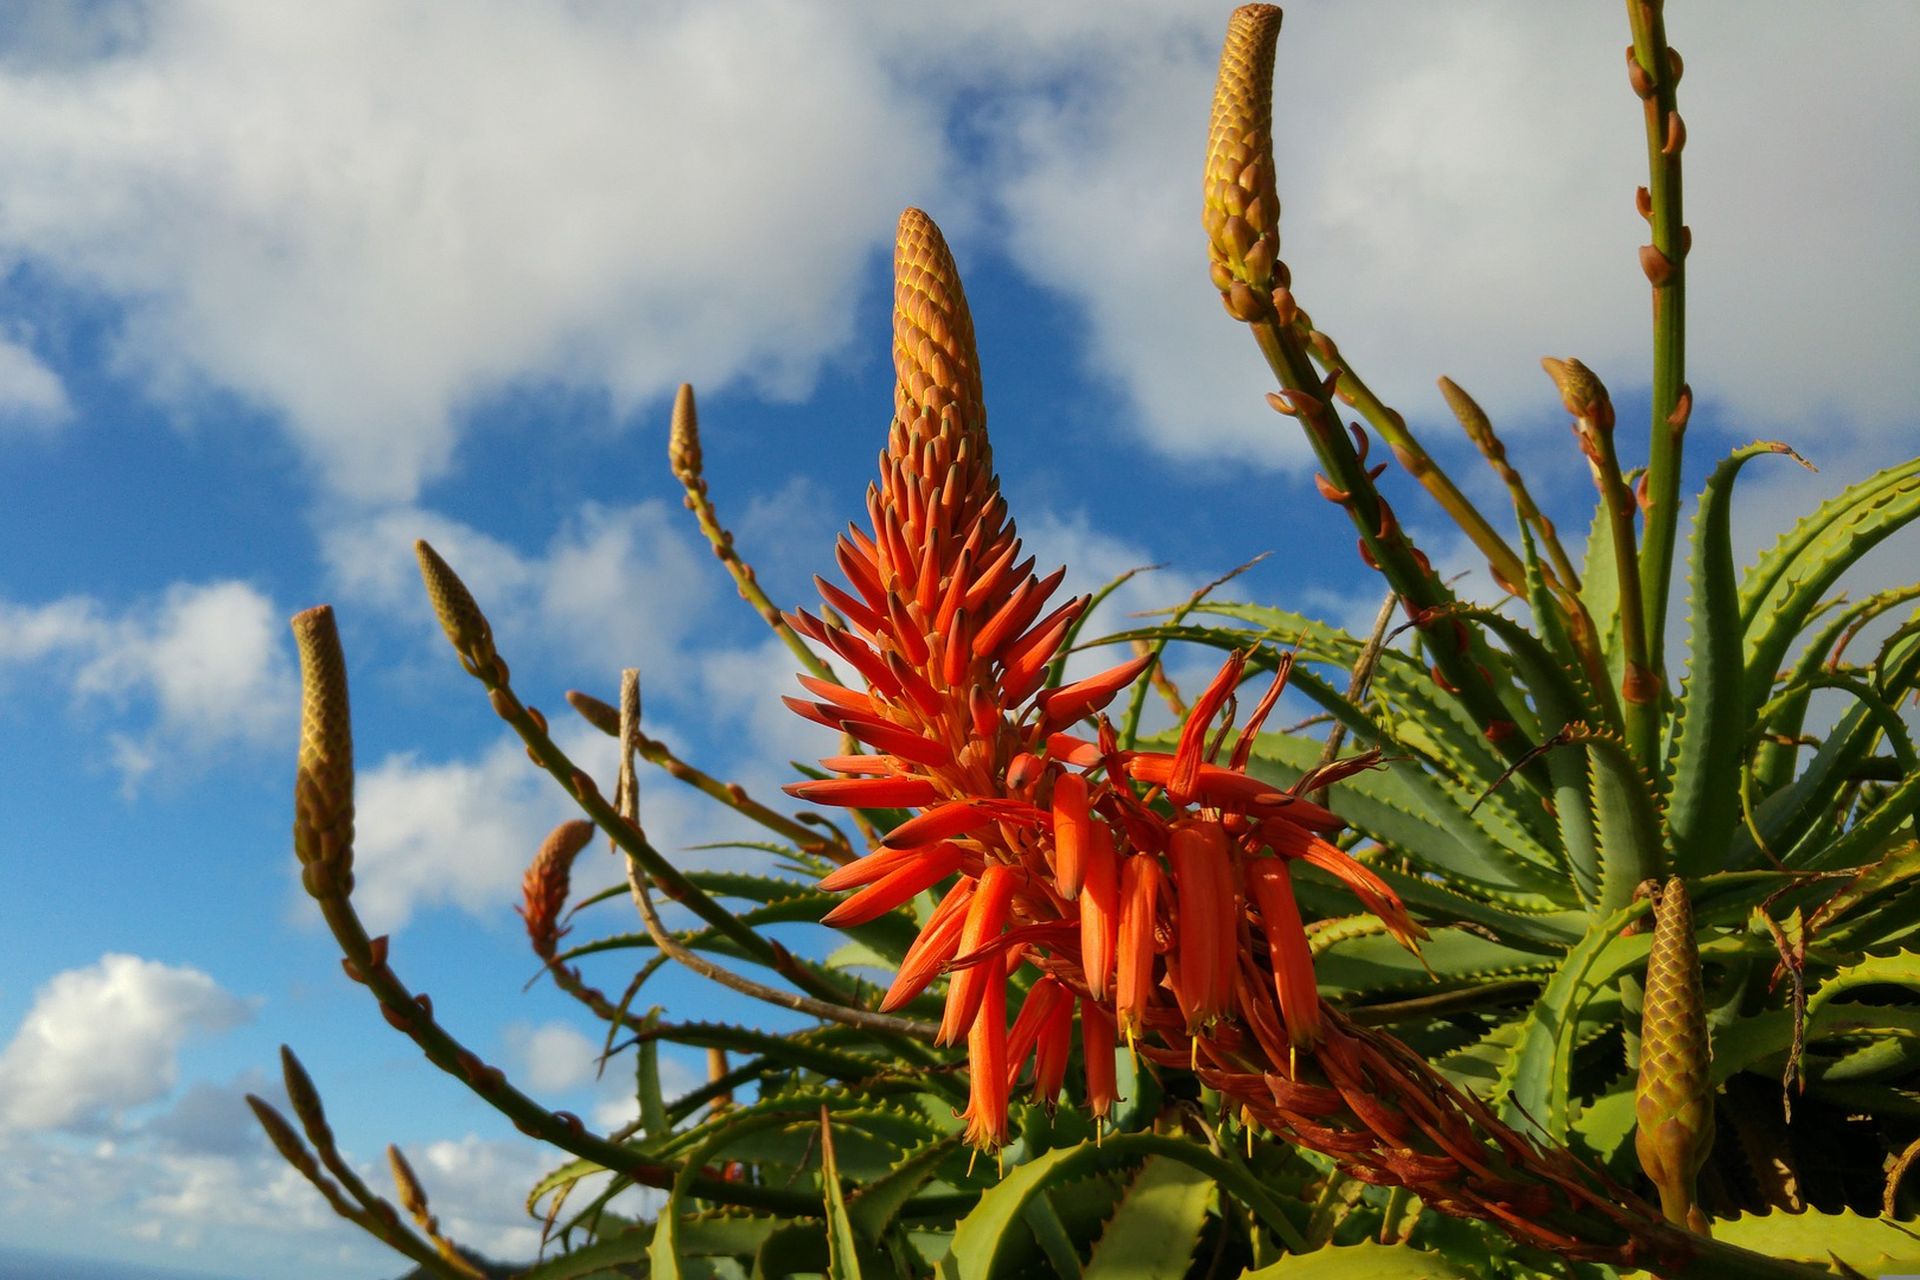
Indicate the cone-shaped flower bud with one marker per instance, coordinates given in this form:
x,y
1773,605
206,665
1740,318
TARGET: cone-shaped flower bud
x,y
453,605
323,781
1674,1102
1242,209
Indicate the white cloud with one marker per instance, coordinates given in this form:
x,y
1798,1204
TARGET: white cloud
x,y
32,396
363,215
1457,186
554,1056
614,587
107,1037
205,665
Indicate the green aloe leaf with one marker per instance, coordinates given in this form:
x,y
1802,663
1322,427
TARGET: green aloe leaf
x,y
1369,1260
875,1205
1713,713
843,1249
981,1236
1869,1245
1787,584
1158,1224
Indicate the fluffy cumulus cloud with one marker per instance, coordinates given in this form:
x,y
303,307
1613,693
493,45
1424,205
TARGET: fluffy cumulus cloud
x,y
198,669
362,215
105,1038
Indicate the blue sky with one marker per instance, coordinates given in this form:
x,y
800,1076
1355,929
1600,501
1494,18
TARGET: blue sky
x,y
284,287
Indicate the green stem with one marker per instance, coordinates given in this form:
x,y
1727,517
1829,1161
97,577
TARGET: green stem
x,y
1457,655
1655,70
1392,426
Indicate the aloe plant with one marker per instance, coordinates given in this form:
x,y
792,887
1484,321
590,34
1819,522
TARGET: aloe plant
x,y
1640,892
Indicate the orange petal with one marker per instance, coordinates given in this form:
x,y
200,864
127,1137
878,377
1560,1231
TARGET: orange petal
x,y
1099,910
1293,981
954,818
1097,1047
1133,962
1070,826
867,869
894,740
866,793
1193,735
921,872
986,917
1071,702
1046,994
1208,930
938,942
1243,748
986,1113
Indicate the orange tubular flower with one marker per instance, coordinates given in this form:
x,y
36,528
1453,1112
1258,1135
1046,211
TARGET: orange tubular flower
x,y
1071,831
1208,933
1097,1046
986,1113
938,943
986,917
1272,891
1133,984
1099,910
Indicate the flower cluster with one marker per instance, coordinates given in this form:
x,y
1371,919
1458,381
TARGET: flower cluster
x,y
1150,889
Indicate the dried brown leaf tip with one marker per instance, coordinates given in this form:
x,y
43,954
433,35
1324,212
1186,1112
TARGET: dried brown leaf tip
x,y
323,782
454,606
545,885
1242,208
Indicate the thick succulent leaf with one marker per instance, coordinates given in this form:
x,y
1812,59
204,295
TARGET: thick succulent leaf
x,y
1455,958
1873,1246
1415,815
663,1252
1787,583
984,1233
1874,833
875,1205
1369,1260
1713,712
1626,809
1899,969
1158,1224
843,1249
1796,822
1600,589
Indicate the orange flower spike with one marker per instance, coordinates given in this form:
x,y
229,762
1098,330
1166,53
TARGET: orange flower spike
x,y
986,1113
1070,833
1208,924
1193,735
1099,909
938,943
917,875
986,917
1097,1044
1272,891
1133,961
